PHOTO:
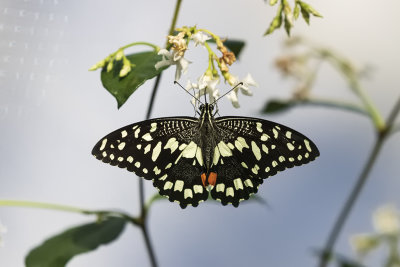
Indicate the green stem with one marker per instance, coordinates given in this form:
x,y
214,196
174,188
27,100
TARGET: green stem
x,y
156,48
369,106
143,216
382,135
332,104
51,206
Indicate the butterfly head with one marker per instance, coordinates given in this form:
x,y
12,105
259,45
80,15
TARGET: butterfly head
x,y
206,109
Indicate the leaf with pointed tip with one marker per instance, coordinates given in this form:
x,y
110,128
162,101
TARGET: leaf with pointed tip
x,y
142,70
235,46
276,105
59,249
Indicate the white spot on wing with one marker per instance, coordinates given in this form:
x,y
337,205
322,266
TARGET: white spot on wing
x,y
147,137
256,150
199,157
220,187
274,163
156,151
244,165
259,127
168,185
156,170
121,146
216,156
198,189
238,183
190,150
103,144
290,146
172,144
145,170
224,149
153,127
248,183
178,185
137,164
264,137
188,193
147,148
130,159
307,145
289,134
162,178
124,133
120,159
275,133
168,166
137,133
230,192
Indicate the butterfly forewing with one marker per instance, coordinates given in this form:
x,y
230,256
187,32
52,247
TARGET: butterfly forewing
x,y
250,150
157,150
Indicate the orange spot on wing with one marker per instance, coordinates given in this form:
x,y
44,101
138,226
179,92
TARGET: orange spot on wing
x,y
212,178
203,179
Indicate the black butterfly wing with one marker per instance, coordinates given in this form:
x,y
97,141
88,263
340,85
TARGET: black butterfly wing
x,y
250,150
163,150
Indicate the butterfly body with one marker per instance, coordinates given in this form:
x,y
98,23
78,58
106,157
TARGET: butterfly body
x,y
188,158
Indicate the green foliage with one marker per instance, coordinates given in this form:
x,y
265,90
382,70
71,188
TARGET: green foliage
x,y
235,46
58,250
122,87
276,105
285,14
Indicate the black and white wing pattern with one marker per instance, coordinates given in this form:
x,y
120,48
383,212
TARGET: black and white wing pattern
x,y
162,150
185,157
250,150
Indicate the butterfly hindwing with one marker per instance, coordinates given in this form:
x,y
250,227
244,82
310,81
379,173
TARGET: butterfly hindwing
x,y
250,150
155,150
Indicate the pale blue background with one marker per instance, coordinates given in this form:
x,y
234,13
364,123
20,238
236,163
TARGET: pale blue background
x,y
52,112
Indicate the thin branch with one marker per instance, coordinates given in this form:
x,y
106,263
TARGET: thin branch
x,y
337,228
333,104
58,207
143,213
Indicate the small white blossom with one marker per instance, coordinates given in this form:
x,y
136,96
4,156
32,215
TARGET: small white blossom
x,y
244,88
168,59
3,230
200,38
363,243
205,85
386,220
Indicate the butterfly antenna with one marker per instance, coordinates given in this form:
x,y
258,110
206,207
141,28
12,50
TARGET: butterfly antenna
x,y
175,82
215,101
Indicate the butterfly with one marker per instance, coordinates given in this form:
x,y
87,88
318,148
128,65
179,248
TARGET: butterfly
x,y
188,158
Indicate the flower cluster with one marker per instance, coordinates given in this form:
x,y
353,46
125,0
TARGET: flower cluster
x,y
386,221
217,66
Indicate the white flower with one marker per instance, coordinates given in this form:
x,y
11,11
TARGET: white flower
x,y
206,84
386,220
363,243
244,88
200,38
169,59
3,230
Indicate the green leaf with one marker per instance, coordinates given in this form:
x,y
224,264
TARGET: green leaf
x,y
273,2
309,9
305,15
122,87
296,10
276,22
58,250
235,46
276,105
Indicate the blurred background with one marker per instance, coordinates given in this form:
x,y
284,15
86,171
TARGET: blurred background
x,y
53,111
